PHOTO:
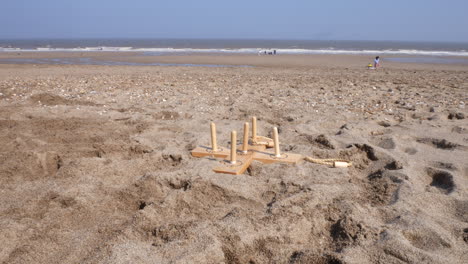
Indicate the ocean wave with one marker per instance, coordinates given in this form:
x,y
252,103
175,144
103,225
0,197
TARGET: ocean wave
x,y
162,51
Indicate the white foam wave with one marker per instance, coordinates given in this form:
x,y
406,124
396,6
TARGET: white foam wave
x,y
9,49
162,51
81,49
307,51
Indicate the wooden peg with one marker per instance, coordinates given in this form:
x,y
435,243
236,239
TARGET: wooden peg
x,y
214,146
233,147
254,128
214,150
245,145
276,142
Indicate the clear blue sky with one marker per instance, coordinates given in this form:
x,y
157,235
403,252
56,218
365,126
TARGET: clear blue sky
x,y
411,20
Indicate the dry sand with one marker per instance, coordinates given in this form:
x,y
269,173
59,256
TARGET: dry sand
x,y
95,162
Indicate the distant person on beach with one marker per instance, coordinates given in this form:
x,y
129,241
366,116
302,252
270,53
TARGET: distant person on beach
x,y
377,62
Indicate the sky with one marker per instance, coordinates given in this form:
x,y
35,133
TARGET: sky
x,y
397,20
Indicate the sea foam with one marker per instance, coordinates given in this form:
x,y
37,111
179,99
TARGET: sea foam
x,y
169,50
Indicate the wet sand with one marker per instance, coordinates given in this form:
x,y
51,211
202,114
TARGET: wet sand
x,y
95,164
270,61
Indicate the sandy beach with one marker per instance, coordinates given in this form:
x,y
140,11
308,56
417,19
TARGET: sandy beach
x,y
95,163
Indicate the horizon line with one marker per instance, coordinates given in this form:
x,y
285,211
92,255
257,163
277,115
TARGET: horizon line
x,y
212,38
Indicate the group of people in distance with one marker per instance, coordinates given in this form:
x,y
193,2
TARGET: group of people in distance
x,y
267,52
369,66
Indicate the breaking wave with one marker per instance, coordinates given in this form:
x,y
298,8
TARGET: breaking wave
x,y
168,51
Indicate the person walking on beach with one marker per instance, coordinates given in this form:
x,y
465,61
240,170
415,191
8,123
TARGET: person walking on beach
x,y
377,62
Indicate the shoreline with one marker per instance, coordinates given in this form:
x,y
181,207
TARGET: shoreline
x,y
276,61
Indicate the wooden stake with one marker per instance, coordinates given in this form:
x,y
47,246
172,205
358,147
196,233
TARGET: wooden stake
x,y
214,146
245,146
254,128
276,141
233,147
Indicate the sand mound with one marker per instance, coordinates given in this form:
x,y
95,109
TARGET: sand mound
x,y
50,99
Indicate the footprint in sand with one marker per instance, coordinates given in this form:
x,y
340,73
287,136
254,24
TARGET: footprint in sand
x,y
465,235
440,143
382,187
426,239
386,143
442,180
459,130
411,151
445,165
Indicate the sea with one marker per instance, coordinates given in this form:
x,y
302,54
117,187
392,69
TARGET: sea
x,y
419,52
